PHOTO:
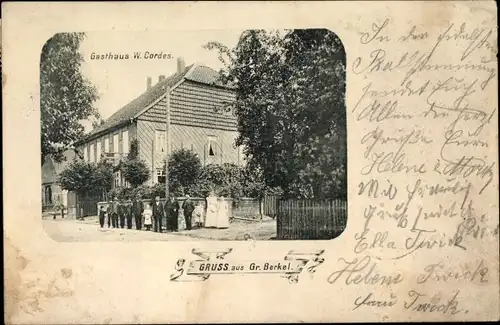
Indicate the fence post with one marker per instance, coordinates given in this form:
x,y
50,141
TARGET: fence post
x,y
278,223
261,207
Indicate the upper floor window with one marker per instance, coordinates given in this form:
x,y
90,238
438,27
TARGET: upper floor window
x,y
106,144
98,151
160,141
91,153
85,154
212,146
116,144
125,142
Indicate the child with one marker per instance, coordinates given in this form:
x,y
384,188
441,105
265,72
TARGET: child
x,y
198,215
147,214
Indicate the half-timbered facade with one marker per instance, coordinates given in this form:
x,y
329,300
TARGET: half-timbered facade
x,y
196,121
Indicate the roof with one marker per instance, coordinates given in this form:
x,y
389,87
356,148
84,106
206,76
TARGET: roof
x,y
204,74
196,73
51,169
137,105
69,155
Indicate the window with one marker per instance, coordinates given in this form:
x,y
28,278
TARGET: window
x,y
98,154
48,195
85,154
212,146
123,182
115,144
125,143
91,153
160,141
160,175
106,144
117,179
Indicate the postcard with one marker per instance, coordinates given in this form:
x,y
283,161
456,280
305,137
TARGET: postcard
x,y
241,162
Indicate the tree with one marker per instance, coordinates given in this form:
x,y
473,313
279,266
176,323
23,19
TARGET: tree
x,y
290,107
86,178
135,171
103,177
184,168
77,177
66,96
229,180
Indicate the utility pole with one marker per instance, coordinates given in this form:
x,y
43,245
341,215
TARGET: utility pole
x,y
167,140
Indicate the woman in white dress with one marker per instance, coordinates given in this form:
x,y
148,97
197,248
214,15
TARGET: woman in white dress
x,y
212,211
222,213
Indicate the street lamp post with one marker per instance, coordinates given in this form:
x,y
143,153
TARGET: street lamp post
x,y
167,140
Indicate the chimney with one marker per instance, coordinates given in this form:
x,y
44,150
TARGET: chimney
x,y
148,82
161,78
180,65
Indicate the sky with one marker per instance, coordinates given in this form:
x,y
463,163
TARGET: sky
x,y
121,81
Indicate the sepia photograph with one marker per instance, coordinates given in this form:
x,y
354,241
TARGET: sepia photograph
x,y
233,162
194,135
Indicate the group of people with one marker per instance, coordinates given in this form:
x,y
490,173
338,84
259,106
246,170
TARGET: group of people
x,y
150,215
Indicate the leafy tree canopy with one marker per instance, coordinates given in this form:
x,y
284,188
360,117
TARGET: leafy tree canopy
x,y
66,96
184,168
135,171
290,107
87,178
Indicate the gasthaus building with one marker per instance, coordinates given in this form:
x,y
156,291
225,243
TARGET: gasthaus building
x,y
197,122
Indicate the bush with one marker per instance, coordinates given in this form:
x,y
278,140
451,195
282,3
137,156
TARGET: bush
x,y
121,193
86,178
157,190
135,171
184,169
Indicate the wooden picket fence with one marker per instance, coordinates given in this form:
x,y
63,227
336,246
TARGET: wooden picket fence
x,y
270,205
310,219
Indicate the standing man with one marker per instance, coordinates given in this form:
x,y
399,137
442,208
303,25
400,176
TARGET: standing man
x,y
129,215
122,211
109,212
188,208
113,213
172,212
137,210
158,214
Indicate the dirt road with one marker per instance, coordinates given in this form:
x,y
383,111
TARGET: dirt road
x,y
89,230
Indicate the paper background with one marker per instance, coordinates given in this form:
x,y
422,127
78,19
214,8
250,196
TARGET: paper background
x,y
51,282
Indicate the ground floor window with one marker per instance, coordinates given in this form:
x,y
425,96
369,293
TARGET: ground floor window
x,y
117,179
48,195
160,175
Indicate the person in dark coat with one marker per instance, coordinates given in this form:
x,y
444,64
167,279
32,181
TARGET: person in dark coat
x,y
113,211
109,211
102,216
122,213
128,214
188,208
158,214
172,212
137,210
